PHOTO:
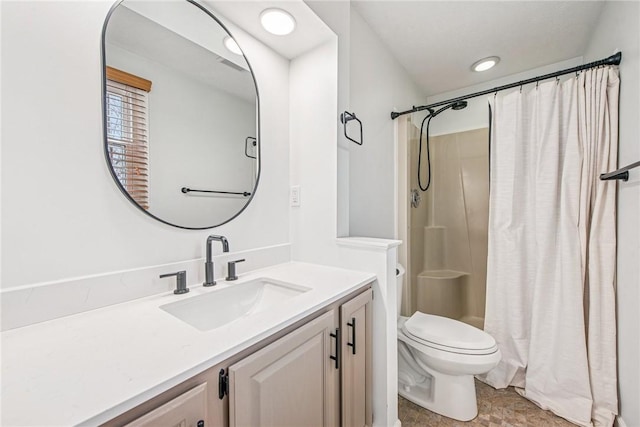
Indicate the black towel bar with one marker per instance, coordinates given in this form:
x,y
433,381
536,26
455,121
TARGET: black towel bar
x,y
186,190
622,173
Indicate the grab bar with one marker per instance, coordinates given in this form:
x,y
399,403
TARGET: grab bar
x,y
189,190
622,173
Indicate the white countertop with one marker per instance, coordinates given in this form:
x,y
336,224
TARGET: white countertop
x,y
90,367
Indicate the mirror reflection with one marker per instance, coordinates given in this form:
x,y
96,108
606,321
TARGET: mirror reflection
x,y
181,113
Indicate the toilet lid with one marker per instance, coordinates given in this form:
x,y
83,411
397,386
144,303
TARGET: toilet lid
x,y
447,332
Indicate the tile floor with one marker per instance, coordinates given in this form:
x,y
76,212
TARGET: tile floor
x,y
496,408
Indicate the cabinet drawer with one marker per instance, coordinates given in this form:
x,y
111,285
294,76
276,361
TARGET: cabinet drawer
x,y
187,410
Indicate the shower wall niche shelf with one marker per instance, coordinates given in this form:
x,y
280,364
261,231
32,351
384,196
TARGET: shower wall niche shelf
x,y
440,292
443,274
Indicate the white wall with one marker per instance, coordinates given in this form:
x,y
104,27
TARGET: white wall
x,y
314,154
337,15
371,83
313,76
378,85
619,29
62,214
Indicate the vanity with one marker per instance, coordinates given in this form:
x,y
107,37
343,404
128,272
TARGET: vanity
x,y
306,357
140,354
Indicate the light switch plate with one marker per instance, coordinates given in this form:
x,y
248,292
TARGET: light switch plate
x,y
295,195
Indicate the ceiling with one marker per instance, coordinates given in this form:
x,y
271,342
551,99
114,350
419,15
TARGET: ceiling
x,y
310,30
437,41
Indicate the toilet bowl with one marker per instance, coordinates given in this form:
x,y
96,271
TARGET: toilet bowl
x,y
437,359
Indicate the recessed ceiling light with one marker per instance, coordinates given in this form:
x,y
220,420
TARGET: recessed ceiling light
x,y
277,21
231,44
485,63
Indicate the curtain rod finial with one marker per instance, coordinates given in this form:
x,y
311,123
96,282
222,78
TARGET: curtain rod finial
x,y
615,59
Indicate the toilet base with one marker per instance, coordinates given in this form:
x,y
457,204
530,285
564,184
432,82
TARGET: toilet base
x,y
453,396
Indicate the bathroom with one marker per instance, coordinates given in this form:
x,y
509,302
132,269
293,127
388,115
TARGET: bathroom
x,y
64,251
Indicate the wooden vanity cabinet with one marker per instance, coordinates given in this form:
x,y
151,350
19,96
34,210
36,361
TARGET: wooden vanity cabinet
x,y
290,379
356,369
291,382
304,380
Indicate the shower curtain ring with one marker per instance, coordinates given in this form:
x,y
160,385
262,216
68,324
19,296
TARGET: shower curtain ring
x,y
520,88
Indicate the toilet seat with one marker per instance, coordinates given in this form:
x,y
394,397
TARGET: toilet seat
x,y
446,359
448,335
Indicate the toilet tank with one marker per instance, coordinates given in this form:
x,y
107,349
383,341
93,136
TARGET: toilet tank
x,y
399,284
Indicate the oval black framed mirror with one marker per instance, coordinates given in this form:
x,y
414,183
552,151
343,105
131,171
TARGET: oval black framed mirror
x,y
180,113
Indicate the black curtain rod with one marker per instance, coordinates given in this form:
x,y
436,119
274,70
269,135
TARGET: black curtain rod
x,y
612,60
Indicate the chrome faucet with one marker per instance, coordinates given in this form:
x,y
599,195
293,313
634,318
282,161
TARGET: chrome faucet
x,y
208,265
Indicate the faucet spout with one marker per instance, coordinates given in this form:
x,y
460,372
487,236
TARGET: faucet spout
x,y
221,239
208,265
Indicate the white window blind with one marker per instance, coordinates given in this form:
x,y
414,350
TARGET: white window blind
x,y
127,133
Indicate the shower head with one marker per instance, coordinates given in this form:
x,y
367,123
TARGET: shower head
x,y
454,105
460,105
457,105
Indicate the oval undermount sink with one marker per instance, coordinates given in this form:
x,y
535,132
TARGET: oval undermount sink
x,y
222,306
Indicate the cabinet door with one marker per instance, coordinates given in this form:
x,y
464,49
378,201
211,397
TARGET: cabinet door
x,y
355,324
186,410
291,382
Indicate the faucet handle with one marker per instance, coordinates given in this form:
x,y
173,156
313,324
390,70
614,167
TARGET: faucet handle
x,y
231,269
181,281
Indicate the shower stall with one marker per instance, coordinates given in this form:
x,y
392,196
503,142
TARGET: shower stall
x,y
445,227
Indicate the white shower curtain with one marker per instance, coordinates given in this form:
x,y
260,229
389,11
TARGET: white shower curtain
x,y
552,245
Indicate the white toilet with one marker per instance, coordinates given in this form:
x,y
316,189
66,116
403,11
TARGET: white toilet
x,y
437,359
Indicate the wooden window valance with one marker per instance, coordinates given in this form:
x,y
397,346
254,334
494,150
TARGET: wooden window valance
x,y
128,79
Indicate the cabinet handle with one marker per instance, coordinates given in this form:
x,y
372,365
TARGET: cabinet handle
x,y
223,384
200,423
337,356
353,343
